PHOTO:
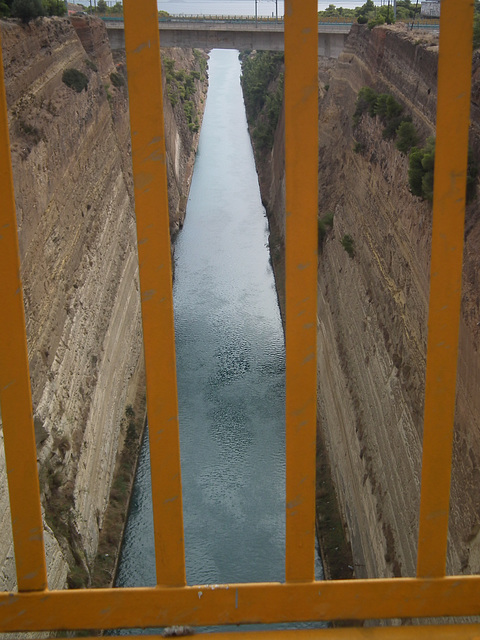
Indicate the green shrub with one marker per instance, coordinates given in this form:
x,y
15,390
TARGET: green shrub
x,y
262,136
273,104
30,130
476,31
75,79
362,19
328,219
359,147
389,110
91,65
181,88
27,10
415,171
376,22
188,109
117,79
348,245
201,61
180,75
54,7
382,105
259,70
109,95
324,224
427,185
392,125
421,165
78,577
407,136
262,84
394,108
172,96
4,9
194,126
428,164
168,64
131,437
366,101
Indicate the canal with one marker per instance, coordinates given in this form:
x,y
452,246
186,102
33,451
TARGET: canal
x,y
230,367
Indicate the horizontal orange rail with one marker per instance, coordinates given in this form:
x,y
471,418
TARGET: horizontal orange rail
x,y
431,594
439,632
241,603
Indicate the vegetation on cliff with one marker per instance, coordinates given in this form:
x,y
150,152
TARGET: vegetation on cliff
x,y
406,10
27,10
420,170
399,126
325,223
106,561
75,79
262,84
383,105
80,185
476,25
181,87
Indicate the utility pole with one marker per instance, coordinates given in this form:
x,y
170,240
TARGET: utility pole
x,y
414,16
256,13
276,10
394,9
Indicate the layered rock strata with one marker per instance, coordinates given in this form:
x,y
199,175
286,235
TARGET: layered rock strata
x,y
373,307
75,211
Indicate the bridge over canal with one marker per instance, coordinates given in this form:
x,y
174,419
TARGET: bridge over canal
x,y
225,33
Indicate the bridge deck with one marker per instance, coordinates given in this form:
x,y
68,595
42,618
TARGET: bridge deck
x,y
231,25
229,34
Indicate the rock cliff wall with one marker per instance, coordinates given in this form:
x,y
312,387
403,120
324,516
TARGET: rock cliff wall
x,y
75,211
372,308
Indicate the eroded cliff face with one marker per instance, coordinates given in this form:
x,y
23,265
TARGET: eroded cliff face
x,y
75,211
372,310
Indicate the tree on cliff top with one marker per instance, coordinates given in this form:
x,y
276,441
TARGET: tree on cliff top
x,y
54,7
5,8
27,10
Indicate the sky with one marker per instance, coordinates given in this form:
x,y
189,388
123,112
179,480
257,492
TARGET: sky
x,y
242,7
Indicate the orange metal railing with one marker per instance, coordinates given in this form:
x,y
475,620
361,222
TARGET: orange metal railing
x,y
300,598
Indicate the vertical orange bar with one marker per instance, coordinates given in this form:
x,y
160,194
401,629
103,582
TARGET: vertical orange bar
x,y
453,111
151,207
15,393
301,165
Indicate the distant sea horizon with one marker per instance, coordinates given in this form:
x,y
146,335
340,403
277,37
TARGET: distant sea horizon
x,y
242,7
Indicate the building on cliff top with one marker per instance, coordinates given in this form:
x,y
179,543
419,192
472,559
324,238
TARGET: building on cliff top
x,y
430,9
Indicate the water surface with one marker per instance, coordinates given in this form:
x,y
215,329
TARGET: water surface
x,y
230,367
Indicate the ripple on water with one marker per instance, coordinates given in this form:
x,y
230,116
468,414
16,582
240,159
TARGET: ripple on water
x,y
230,367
